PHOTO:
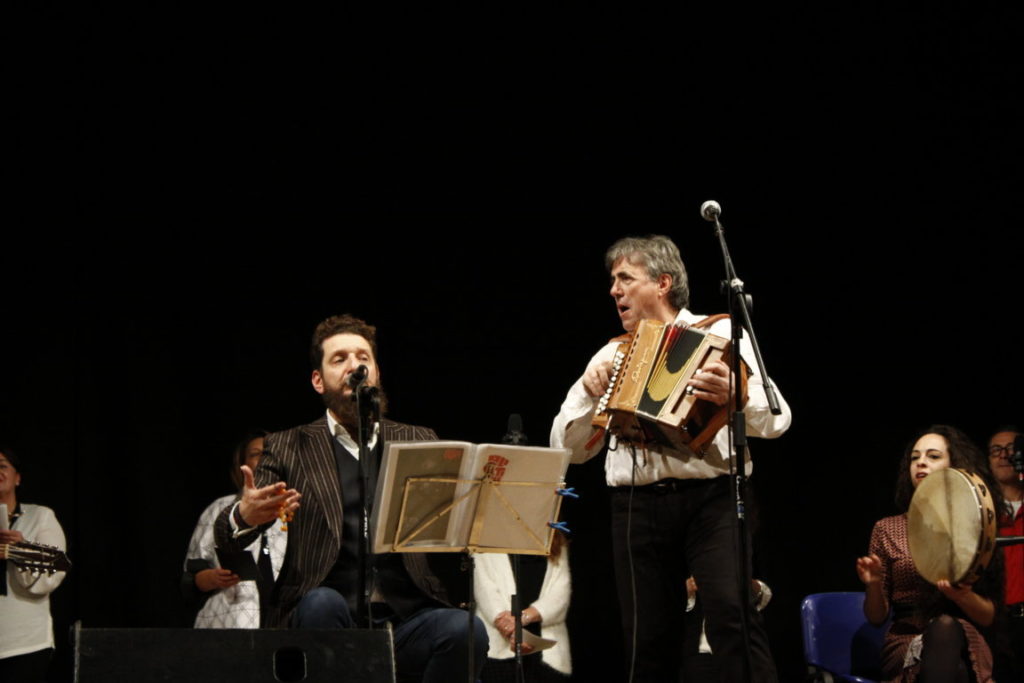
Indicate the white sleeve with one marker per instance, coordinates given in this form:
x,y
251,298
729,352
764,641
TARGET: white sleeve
x,y
765,597
237,531
202,545
492,585
555,592
48,532
572,428
760,421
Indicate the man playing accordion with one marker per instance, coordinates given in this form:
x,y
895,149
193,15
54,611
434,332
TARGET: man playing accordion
x,y
672,510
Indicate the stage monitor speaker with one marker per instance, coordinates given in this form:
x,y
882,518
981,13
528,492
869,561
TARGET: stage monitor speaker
x,y
166,655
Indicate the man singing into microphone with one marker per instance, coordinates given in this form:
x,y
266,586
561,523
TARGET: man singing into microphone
x,y
319,583
672,511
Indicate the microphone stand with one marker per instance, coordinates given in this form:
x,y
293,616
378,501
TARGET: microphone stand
x,y
739,301
1016,459
367,400
515,437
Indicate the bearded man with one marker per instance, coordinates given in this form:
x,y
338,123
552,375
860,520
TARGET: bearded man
x,y
319,584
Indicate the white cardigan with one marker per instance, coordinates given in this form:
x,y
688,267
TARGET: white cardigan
x,y
26,625
493,587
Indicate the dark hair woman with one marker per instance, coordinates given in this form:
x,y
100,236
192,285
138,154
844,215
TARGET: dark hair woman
x,y
221,598
937,630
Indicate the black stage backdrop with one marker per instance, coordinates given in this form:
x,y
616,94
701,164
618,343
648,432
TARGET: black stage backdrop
x,y
194,188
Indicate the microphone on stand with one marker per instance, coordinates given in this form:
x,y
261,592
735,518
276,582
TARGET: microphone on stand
x,y
358,376
710,210
1017,456
515,435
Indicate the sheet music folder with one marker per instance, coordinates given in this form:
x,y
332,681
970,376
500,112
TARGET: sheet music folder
x,y
455,496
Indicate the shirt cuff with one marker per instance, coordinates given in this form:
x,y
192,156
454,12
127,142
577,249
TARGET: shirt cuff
x,y
235,518
765,597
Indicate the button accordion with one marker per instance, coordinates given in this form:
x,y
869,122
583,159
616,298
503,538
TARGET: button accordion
x,y
649,400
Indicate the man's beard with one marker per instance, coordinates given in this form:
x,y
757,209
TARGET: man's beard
x,y
345,410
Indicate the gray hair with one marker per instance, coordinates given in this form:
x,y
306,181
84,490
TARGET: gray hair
x,y
659,255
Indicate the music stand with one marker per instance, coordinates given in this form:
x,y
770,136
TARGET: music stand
x,y
447,496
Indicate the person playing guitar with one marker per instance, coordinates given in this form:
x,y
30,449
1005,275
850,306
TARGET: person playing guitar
x,y
31,552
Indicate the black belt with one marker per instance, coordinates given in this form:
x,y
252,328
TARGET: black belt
x,y
663,486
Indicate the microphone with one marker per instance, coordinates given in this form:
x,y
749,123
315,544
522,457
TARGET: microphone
x,y
1017,457
358,376
515,435
710,210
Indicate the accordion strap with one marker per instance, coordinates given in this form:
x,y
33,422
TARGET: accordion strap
x,y
711,320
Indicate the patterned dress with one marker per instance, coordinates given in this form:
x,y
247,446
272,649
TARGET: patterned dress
x,y
237,606
914,602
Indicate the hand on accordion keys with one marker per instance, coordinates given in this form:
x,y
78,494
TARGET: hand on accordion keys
x,y
597,378
711,383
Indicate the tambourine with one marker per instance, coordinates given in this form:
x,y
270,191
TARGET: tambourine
x,y
951,526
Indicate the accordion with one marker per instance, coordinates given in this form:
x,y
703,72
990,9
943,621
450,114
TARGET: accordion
x,y
649,400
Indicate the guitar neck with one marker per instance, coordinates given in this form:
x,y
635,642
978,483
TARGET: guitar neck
x,y
36,557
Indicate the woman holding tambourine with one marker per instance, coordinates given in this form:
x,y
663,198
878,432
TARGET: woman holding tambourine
x,y
937,630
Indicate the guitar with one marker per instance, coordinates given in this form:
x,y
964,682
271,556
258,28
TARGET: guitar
x,y
35,557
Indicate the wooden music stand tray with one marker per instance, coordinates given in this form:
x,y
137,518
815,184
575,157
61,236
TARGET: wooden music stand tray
x,y
493,498
438,496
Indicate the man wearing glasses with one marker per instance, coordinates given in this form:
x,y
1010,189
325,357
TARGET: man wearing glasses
x,y
1003,448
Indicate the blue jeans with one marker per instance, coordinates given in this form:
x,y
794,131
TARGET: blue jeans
x,y
322,608
433,646
430,646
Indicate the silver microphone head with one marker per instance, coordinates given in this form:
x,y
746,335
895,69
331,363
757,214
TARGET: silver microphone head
x,y
710,210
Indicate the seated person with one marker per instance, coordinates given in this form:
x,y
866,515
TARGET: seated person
x,y
319,582
545,586
937,630
224,601
1001,449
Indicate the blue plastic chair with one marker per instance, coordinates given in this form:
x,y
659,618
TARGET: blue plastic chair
x,y
839,643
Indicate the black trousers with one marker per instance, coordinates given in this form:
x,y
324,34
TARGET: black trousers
x,y
27,668
678,528
1009,653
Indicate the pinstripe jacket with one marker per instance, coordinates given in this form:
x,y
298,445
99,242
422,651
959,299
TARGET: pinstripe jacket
x,y
303,457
